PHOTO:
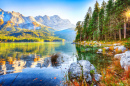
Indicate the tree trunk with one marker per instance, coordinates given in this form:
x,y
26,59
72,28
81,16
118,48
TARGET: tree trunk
x,y
110,35
115,36
105,37
124,30
120,34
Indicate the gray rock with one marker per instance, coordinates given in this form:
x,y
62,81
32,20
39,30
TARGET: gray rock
x,y
118,56
97,77
99,51
122,48
107,48
125,60
115,44
115,47
85,64
82,67
47,61
75,70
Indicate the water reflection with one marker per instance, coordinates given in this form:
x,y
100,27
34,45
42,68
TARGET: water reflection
x,y
16,65
16,56
100,61
32,60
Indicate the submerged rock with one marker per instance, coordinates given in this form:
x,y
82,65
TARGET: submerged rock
x,y
125,60
83,69
87,49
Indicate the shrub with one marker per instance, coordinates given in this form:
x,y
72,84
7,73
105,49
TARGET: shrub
x,y
54,58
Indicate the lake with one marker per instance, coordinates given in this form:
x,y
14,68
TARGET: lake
x,y
27,63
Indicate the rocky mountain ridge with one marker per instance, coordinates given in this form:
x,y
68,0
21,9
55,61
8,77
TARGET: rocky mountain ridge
x,y
21,21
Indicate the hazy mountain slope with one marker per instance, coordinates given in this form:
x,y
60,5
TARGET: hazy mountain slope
x,y
67,34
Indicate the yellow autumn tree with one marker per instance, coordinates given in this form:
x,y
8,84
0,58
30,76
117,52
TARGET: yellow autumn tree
x,y
1,22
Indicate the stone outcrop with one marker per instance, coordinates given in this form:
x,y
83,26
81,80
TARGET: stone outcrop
x,y
83,68
125,60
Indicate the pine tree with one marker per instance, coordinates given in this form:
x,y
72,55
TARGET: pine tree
x,y
95,21
108,18
105,23
86,23
79,30
101,19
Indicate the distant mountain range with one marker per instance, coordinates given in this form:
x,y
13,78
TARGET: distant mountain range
x,y
21,21
67,34
55,22
44,26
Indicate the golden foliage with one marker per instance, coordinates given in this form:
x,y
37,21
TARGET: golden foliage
x,y
2,62
36,59
1,22
35,24
8,23
111,48
114,75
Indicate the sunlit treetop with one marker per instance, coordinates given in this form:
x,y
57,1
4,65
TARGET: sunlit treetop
x,y
128,13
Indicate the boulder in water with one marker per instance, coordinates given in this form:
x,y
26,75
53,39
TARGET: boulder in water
x,y
83,69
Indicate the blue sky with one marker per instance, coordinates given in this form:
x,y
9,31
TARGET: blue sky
x,y
74,10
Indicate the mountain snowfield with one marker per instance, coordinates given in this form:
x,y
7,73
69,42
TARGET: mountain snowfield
x,y
21,21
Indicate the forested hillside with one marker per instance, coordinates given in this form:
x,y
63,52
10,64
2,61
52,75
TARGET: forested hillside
x,y
106,22
12,34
